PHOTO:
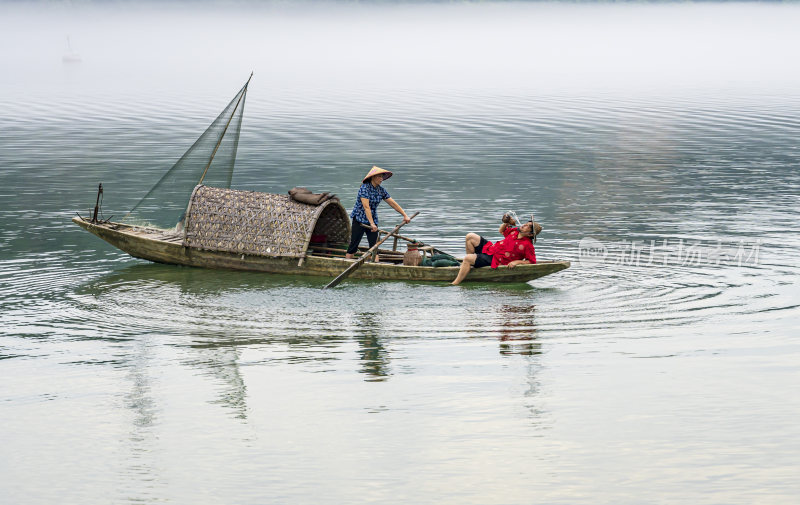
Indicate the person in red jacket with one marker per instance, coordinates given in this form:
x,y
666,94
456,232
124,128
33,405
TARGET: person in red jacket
x,y
516,248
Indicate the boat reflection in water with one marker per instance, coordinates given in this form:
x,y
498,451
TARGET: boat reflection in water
x,y
518,331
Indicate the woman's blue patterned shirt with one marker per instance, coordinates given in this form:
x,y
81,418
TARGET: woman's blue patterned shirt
x,y
374,195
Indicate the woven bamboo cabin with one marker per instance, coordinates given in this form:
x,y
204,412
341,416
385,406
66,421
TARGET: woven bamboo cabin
x,y
260,224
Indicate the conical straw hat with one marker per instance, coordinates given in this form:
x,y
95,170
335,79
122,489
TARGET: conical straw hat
x,y
377,171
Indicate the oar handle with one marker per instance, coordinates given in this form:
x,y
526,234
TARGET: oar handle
x,y
366,255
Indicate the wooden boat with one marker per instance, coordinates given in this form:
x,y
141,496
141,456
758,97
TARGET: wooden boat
x,y
246,230
277,238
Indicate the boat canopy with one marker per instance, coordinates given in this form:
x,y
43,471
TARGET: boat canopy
x,y
263,224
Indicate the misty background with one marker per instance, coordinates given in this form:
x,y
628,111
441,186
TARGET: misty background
x,y
211,47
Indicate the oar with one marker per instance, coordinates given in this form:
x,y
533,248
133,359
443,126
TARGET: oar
x,y
352,268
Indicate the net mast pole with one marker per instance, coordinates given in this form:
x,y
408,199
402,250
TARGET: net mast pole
x,y
244,92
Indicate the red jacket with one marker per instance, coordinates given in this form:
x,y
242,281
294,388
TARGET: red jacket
x,y
511,248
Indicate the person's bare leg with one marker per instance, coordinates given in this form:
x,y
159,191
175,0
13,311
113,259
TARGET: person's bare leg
x,y
348,256
466,265
471,242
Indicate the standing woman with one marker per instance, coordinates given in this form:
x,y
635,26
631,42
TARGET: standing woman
x,y
365,210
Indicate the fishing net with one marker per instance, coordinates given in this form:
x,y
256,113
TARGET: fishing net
x,y
209,161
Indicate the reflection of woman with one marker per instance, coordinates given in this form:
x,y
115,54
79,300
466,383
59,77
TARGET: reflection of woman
x,y
365,211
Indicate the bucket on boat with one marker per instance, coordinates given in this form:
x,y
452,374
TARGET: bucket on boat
x,y
412,257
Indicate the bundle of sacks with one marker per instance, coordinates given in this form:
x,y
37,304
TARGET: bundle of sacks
x,y
440,260
413,258
304,195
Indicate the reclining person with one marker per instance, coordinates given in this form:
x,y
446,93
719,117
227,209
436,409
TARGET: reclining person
x,y
516,248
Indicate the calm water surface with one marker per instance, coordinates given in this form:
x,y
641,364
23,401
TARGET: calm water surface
x,y
616,381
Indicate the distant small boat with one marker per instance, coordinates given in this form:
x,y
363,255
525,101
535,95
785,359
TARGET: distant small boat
x,y
232,229
71,56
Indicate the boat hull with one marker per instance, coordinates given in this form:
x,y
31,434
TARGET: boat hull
x,y
170,250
